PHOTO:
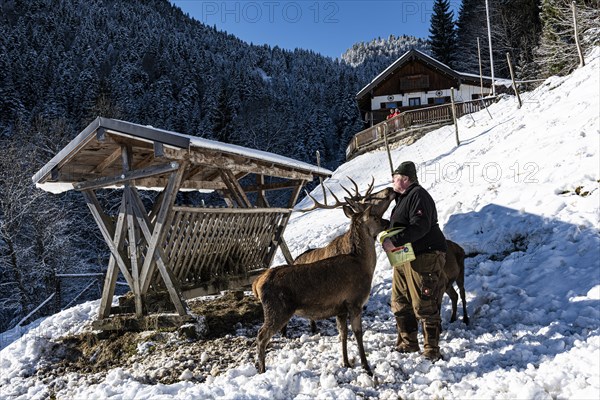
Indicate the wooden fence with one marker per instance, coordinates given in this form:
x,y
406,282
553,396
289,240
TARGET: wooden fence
x,y
399,127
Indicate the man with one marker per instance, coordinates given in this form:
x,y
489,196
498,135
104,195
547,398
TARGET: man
x,y
417,286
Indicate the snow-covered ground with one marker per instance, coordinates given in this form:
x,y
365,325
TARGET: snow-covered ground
x,y
520,194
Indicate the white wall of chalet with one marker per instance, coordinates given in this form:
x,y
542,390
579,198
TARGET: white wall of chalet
x,y
464,93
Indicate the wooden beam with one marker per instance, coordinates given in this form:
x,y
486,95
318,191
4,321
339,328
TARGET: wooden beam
x,y
126,158
295,193
216,286
107,161
126,176
112,273
145,224
223,210
114,244
158,150
143,163
235,189
270,186
223,162
163,220
261,200
158,182
193,171
285,250
108,233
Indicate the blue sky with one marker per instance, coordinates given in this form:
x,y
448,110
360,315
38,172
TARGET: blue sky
x,y
326,27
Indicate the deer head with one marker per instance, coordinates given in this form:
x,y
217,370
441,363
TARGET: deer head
x,y
379,201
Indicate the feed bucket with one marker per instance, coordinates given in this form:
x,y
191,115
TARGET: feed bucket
x,y
400,254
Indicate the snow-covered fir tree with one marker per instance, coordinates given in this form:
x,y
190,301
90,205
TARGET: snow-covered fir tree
x,y
442,33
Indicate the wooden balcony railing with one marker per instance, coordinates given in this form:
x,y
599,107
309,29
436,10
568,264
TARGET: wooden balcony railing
x,y
399,127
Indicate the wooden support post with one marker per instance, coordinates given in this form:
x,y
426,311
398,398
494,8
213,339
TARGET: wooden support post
x,y
480,69
454,116
143,221
261,198
579,51
512,76
296,193
387,148
285,250
114,245
126,158
321,178
163,220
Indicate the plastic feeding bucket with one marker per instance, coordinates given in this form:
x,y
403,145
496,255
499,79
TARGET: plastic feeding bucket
x,y
399,255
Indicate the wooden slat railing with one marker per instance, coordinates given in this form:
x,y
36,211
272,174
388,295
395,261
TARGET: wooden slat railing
x,y
207,244
397,128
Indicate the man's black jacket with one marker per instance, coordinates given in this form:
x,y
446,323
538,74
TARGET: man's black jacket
x,y
415,211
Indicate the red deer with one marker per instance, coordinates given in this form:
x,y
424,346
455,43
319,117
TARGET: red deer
x,y
336,286
455,271
381,200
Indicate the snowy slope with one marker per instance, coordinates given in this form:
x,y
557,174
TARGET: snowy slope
x,y
520,194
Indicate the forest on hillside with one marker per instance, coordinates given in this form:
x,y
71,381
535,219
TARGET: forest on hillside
x,y
64,62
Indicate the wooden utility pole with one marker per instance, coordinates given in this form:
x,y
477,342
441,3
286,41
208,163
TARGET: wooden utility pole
x,y
579,52
387,148
512,76
489,29
321,178
454,116
481,78
480,70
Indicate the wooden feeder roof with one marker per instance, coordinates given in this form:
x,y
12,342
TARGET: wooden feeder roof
x,y
93,160
180,249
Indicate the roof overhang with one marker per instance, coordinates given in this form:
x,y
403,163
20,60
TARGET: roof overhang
x,y
96,155
414,54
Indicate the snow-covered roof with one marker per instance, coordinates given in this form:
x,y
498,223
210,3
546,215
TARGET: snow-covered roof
x,y
95,154
414,53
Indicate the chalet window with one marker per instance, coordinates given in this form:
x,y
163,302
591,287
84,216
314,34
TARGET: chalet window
x,y
438,100
394,104
414,82
414,101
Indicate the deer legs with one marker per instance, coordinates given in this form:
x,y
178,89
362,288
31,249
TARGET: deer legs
x,y
454,299
342,326
451,292
356,325
266,332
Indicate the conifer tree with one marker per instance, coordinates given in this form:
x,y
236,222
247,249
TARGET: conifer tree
x,y
471,25
443,33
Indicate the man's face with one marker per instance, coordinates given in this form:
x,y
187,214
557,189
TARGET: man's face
x,y
400,183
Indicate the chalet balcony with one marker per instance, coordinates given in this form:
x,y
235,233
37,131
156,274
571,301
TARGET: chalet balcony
x,y
410,123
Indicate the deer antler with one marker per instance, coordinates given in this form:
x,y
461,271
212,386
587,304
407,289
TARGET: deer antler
x,y
353,198
316,204
357,196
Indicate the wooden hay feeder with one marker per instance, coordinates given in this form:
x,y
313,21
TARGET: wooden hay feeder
x,y
183,251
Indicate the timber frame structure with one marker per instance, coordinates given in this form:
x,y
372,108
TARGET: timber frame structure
x,y
185,251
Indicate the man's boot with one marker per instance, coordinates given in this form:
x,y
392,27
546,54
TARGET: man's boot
x,y
407,341
431,332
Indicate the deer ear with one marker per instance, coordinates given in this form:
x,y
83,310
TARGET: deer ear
x,y
348,211
366,214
